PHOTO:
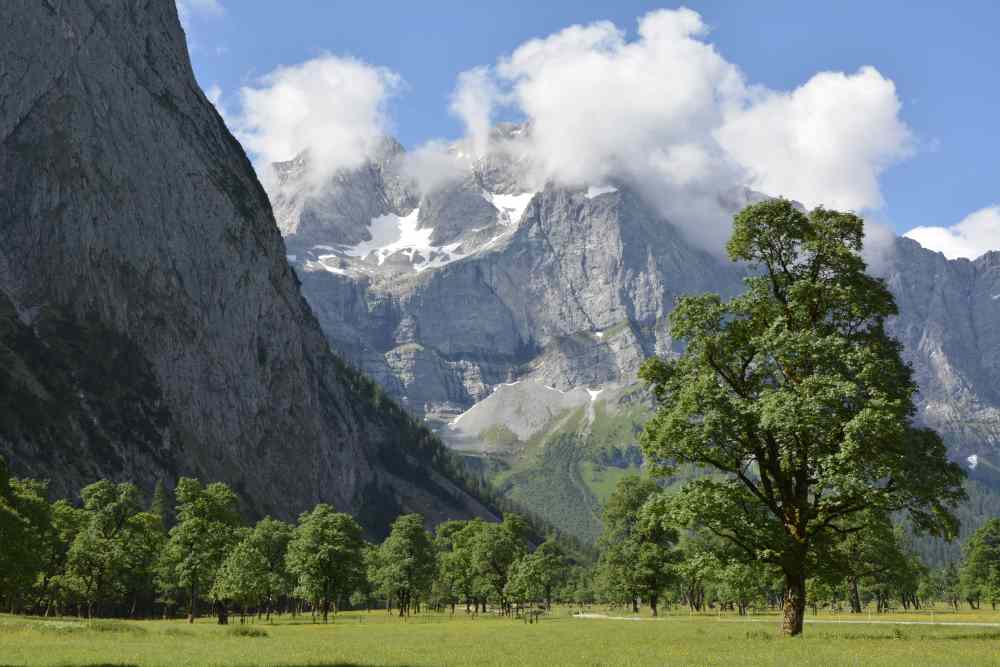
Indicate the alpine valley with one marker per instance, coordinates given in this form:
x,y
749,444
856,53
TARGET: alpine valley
x,y
512,316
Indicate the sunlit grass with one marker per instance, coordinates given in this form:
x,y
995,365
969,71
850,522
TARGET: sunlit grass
x,y
375,638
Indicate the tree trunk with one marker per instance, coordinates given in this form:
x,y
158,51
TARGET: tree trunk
x,y
795,603
653,600
854,595
192,605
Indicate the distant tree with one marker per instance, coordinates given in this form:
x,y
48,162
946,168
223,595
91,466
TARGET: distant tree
x,y
873,553
146,538
741,585
407,561
551,566
25,529
455,576
207,527
637,543
325,556
242,578
797,395
98,558
67,522
980,573
493,549
271,538
950,585
698,568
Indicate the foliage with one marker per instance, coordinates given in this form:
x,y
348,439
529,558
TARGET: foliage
x,y
207,527
980,573
325,556
406,562
638,542
796,393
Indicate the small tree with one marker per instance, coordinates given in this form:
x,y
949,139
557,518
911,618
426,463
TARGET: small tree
x,y
25,530
243,577
271,538
207,527
407,561
493,549
980,573
325,556
99,557
455,575
637,543
796,394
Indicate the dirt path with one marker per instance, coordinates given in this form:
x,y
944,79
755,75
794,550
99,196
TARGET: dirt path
x,y
830,621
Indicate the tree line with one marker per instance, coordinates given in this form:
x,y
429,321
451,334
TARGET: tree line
x,y
112,556
650,556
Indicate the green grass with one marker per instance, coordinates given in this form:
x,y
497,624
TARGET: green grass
x,y
434,639
601,480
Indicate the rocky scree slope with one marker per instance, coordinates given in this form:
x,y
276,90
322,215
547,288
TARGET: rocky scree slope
x,y
150,325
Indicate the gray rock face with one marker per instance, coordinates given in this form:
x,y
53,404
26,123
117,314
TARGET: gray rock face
x,y
949,324
575,292
339,210
130,215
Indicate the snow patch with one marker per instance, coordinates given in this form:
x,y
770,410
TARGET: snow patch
x,y
393,234
973,460
511,207
996,297
599,335
594,394
325,263
598,190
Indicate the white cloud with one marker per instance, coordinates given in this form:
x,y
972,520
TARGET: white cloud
x,y
824,143
975,235
432,166
666,112
332,106
473,101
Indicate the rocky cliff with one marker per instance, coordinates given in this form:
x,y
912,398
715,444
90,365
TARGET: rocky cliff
x,y
514,318
150,325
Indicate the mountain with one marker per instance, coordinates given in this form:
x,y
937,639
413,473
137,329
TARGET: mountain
x,y
150,324
513,318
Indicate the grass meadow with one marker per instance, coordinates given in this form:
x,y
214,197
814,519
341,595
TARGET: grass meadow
x,y
359,638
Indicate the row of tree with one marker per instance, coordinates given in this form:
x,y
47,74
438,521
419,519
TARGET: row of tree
x,y
649,555
111,556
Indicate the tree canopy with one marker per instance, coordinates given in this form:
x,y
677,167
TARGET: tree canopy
x,y
794,391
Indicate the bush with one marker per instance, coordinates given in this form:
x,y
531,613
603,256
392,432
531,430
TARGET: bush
x,y
246,631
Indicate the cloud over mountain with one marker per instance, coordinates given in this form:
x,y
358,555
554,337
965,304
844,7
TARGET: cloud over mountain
x,y
668,112
332,106
662,110
975,235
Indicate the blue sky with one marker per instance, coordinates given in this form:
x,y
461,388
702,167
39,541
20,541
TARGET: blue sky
x,y
943,62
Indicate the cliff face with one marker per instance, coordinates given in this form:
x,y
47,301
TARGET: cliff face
x,y
949,324
514,318
145,296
